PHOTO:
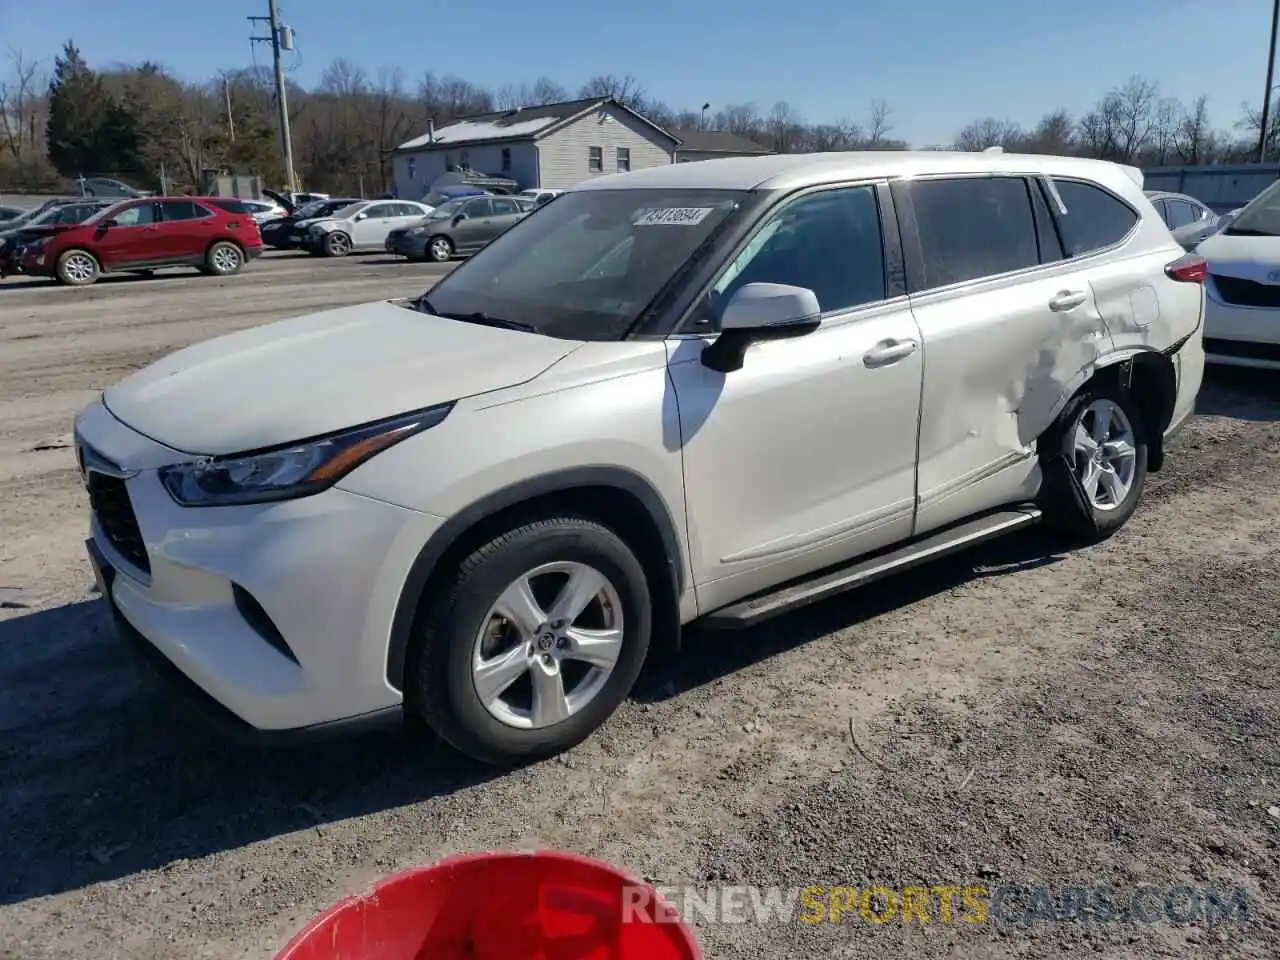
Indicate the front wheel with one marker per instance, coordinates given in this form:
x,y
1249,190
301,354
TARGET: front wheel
x,y
1094,461
539,639
440,249
77,268
337,244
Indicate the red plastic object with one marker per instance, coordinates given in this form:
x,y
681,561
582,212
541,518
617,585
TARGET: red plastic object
x,y
501,906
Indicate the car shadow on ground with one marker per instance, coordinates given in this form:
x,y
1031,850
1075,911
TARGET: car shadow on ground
x,y
708,655
1240,393
104,778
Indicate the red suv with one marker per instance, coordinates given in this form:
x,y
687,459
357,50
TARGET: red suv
x,y
142,235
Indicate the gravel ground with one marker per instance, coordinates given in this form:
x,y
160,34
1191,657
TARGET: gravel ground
x,y
1026,715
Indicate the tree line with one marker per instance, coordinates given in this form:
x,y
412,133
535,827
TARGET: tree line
x,y
143,124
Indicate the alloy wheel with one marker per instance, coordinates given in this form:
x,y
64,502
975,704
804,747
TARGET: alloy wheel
x,y
78,268
1105,454
548,645
226,259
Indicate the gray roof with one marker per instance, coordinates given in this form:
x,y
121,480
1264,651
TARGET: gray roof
x,y
789,171
717,141
522,123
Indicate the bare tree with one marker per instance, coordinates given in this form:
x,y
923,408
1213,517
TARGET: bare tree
x,y
784,127
1194,138
1054,134
542,91
22,115
878,125
627,90
989,132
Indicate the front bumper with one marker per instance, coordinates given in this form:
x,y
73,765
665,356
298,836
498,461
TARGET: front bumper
x,y
407,245
307,651
1240,335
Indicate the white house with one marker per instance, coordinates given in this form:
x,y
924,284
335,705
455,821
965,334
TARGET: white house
x,y
553,146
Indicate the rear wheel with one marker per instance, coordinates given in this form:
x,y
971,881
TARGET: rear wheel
x,y
440,249
540,638
1094,460
77,268
223,259
337,244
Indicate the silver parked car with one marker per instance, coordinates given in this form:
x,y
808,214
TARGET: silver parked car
x,y
459,226
712,391
360,226
1189,220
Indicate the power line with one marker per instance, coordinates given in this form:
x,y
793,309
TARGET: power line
x,y
282,36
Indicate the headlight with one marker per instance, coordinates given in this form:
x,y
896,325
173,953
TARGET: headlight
x,y
296,470
417,231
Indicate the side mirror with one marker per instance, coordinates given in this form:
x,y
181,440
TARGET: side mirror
x,y
109,222
761,311
362,216
458,218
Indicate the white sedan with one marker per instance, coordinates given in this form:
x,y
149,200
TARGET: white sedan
x,y
1242,291
361,226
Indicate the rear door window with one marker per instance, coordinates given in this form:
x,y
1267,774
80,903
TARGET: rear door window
x,y
974,227
1181,214
1095,218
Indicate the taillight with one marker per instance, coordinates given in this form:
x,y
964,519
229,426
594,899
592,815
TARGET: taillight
x,y
1189,269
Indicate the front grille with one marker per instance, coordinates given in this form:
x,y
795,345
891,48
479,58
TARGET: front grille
x,y
1247,293
109,499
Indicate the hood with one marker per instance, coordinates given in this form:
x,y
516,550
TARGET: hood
x,y
1249,258
319,373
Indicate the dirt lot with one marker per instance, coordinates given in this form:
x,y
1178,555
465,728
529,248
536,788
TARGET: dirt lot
x,y
1028,714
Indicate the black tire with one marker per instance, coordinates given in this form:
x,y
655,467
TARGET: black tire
x,y
223,259
337,244
77,268
443,690
439,249
1067,507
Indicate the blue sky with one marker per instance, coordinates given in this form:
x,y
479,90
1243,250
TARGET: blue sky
x,y
939,63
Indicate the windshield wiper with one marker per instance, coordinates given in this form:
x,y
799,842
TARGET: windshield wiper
x,y
424,305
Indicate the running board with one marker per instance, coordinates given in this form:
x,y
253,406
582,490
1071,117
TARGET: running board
x,y
970,533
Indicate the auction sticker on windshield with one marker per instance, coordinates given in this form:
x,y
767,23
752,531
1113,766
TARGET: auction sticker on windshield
x,y
681,216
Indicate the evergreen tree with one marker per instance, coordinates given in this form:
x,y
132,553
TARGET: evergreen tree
x,y
87,131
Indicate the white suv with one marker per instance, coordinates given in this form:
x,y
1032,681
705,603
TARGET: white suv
x,y
706,391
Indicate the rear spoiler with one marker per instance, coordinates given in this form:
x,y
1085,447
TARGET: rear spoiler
x,y
1133,173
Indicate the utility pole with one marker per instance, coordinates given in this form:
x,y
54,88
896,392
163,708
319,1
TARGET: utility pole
x,y
231,122
1265,123
286,139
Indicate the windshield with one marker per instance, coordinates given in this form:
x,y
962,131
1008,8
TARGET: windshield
x,y
1260,216
588,265
312,209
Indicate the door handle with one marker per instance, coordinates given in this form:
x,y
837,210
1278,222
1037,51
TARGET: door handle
x,y
888,351
1067,300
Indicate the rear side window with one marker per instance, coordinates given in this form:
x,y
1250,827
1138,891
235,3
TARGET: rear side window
x,y
183,210
1094,219
975,227
233,206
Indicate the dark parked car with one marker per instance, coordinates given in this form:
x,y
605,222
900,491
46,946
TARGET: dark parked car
x,y
16,235
143,235
458,227
8,213
286,232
